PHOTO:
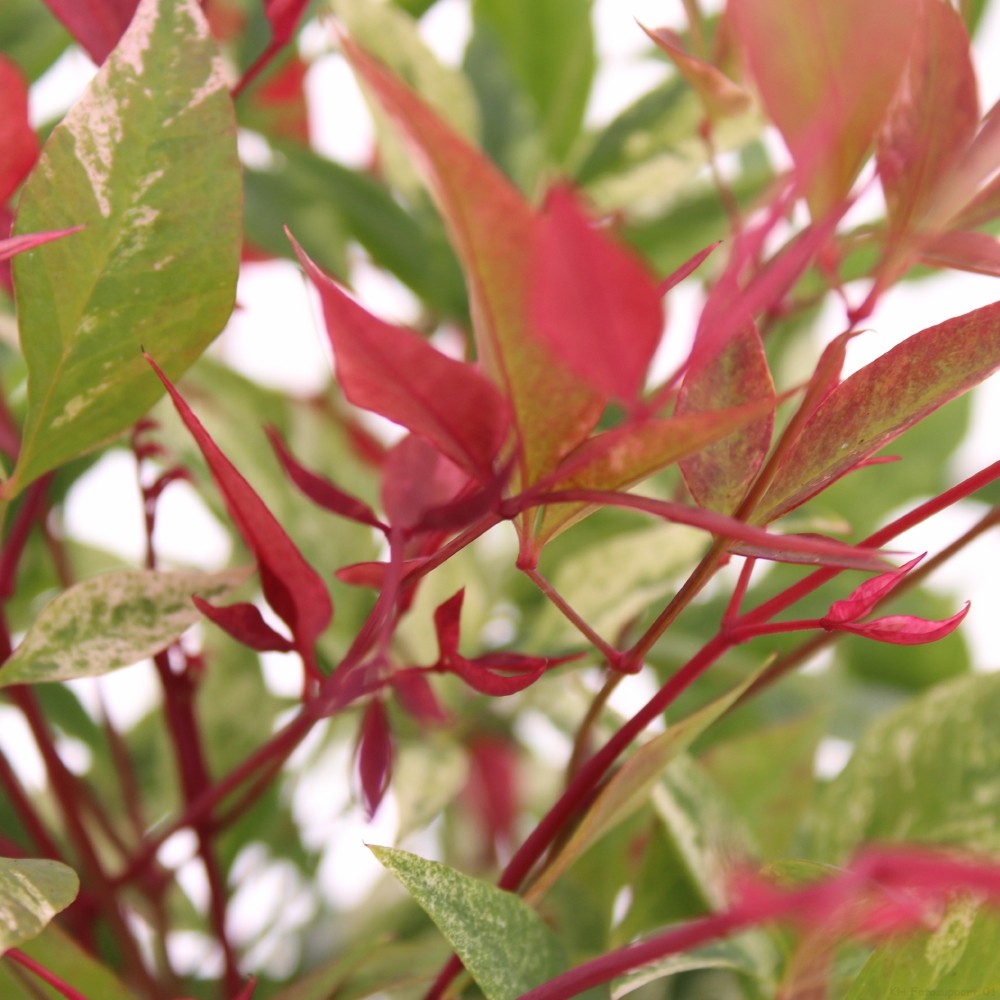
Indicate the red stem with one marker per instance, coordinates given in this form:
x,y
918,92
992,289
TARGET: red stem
x,y
50,978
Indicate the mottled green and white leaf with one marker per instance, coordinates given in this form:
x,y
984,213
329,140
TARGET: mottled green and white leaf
x,y
112,621
504,944
146,161
32,892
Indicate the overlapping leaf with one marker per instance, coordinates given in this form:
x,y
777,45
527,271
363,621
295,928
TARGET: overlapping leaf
x,y
396,373
292,587
877,403
96,24
146,160
826,73
112,621
491,226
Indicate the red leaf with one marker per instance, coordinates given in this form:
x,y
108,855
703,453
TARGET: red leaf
x,y
719,96
283,16
593,301
416,479
96,24
491,791
932,119
978,253
876,404
28,241
718,475
292,587
491,228
485,681
279,106
417,697
826,73
374,756
863,599
447,617
901,630
245,624
18,142
396,373
320,490
372,574
686,269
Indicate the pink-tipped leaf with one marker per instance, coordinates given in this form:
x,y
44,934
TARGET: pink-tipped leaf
x,y
394,372
283,16
28,241
901,630
863,599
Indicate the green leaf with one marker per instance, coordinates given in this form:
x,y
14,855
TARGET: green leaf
x,y
549,46
31,36
503,943
633,783
876,404
32,892
926,772
146,161
960,958
112,621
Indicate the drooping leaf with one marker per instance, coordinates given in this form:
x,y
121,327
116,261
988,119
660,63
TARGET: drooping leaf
x,y
631,785
292,587
719,474
826,73
593,301
878,402
18,143
490,227
112,621
96,24
32,892
933,117
146,160
396,373
556,78
245,624
374,756
506,946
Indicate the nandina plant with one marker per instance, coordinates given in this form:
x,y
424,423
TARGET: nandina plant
x,y
582,633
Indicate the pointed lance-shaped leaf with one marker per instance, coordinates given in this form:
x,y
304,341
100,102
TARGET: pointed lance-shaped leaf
x,y
417,696
718,475
489,682
594,302
292,587
416,479
720,96
686,269
978,253
320,490
394,372
901,630
447,624
864,598
826,73
246,625
283,17
374,756
18,142
28,241
491,226
933,117
880,401
96,24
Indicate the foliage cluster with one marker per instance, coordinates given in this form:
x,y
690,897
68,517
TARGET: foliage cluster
x,y
573,589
